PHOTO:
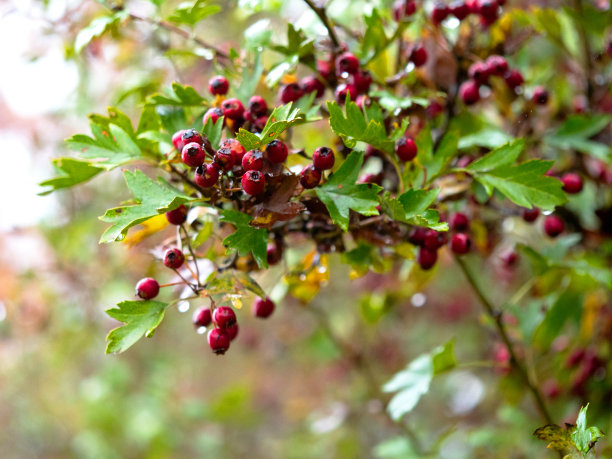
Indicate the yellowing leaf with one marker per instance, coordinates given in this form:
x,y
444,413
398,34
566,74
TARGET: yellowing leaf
x,y
150,227
306,279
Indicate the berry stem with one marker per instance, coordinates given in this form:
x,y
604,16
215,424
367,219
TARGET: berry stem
x,y
320,12
195,260
499,324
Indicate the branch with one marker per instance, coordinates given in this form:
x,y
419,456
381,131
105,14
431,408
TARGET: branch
x,y
320,12
586,49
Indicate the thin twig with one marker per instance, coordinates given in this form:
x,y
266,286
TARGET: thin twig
x,y
195,260
320,12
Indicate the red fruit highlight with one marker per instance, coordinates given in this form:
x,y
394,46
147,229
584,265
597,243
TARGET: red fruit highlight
x,y
218,85
224,317
310,177
347,63
468,92
277,151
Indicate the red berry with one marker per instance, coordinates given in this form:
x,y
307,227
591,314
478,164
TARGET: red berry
x,y
274,253
323,158
218,85
460,244
434,239
479,72
277,151
177,140
224,317
207,175
468,92
459,9
258,105
417,235
310,177
362,101
263,308
178,215
343,89
347,63
488,8
324,69
514,78
260,122
218,340
191,135
459,222
530,215
439,13
232,109
174,258
147,288
202,317
572,183
236,148
291,93
465,161
193,155
311,84
371,178
427,258
253,182
403,8
362,81
419,55
406,149
540,95
553,226
232,332
253,161
212,113
497,65
225,159
509,258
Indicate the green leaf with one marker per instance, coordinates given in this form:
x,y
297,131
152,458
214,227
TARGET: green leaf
x,y
353,127
141,318
488,137
279,121
72,172
251,74
392,102
246,239
412,208
444,358
374,39
341,193
153,197
213,131
258,34
567,307
96,29
178,96
190,13
585,437
502,156
559,440
575,134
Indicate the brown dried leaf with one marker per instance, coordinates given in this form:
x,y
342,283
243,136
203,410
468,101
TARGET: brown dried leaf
x,y
278,206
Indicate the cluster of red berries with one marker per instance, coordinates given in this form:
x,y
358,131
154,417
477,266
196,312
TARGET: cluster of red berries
x,y
480,74
487,10
323,159
346,74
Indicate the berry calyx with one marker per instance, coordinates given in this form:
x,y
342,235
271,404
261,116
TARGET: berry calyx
x,y
530,215
174,258
177,140
224,317
232,109
468,92
147,288
459,222
427,258
193,155
311,84
225,159
418,56
253,182
258,105
177,216
540,95
310,177
323,158
218,85
460,244
191,135
572,183
291,93
406,149
347,63
202,317
277,151
553,226
253,161
263,308
207,175
362,81
218,341
212,113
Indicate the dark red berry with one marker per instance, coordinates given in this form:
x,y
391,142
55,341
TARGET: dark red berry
x,y
465,161
362,81
509,258
572,183
347,63
178,215
488,9
218,85
405,149
277,151
479,72
263,308
575,358
427,258
324,69
207,175
218,340
224,317
459,222
310,177
417,235
260,122
468,92
253,182
459,9
258,105
174,258
553,226
232,332
193,155
514,78
540,95
202,317
497,65
177,140
530,215
274,253
213,113
434,239
403,8
343,89
323,158
232,109
236,148
418,56
311,84
439,13
225,159
253,161
460,244
371,178
147,288
362,101
191,135
291,93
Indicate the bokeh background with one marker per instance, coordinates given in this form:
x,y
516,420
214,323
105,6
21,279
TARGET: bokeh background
x,y
285,390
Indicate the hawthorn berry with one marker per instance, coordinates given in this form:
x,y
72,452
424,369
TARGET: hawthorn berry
x,y
479,72
218,341
553,226
207,175
343,89
263,308
418,56
224,317
213,113
177,140
260,122
277,151
434,239
347,63
311,84
290,93
252,161
225,159
468,92
530,215
236,148
232,332
497,65
540,95
191,135
371,178
323,158
274,253
460,244
488,9
514,78
174,258
177,216
218,85
147,288
232,109
253,182
509,258
324,69
405,149
310,177
572,183
459,9
459,222
202,317
417,235
403,8
439,13
427,258
362,81
193,154
258,105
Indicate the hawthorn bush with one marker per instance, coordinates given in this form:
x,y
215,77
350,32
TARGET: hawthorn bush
x,y
403,139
